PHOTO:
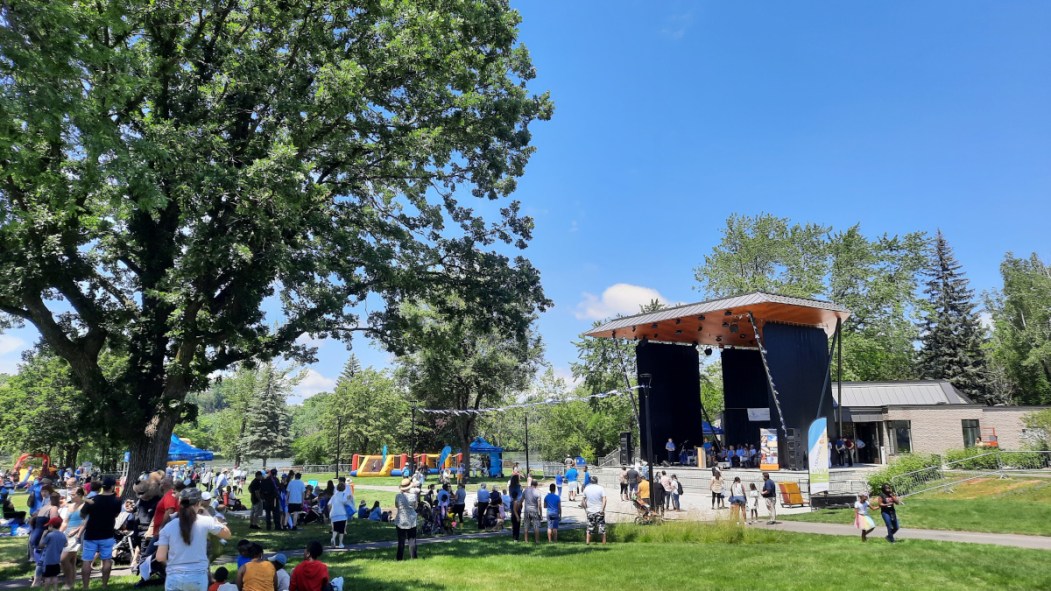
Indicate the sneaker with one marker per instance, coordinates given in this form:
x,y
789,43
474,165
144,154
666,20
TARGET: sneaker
x,y
889,539
771,522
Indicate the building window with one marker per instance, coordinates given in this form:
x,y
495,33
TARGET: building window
x,y
971,432
900,437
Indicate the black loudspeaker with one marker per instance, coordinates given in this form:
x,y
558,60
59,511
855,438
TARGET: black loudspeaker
x,y
794,450
626,449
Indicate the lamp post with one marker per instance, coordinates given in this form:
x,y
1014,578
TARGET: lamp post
x,y
527,447
412,455
645,380
339,438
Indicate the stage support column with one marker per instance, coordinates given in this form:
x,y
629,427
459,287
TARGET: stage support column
x,y
839,375
645,380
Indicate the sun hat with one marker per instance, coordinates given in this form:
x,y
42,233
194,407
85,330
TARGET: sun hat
x,y
406,484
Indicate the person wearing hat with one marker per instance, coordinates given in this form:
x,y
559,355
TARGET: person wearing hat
x,y
102,511
183,544
51,546
405,520
283,578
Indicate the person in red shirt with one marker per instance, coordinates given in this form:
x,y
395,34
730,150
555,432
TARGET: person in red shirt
x,y
311,574
166,507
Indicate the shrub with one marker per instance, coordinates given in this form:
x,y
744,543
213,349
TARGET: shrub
x,y
690,532
906,472
973,458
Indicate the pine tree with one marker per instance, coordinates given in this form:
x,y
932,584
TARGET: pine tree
x,y
268,429
952,333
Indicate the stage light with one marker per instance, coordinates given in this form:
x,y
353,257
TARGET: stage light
x,y
633,329
708,352
726,325
701,318
678,332
727,313
734,328
744,336
719,339
678,320
654,325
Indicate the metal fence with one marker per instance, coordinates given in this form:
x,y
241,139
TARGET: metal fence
x,y
949,474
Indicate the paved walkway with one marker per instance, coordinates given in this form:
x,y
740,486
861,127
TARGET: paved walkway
x,y
967,537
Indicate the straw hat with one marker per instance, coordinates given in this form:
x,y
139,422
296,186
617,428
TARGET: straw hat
x,y
406,484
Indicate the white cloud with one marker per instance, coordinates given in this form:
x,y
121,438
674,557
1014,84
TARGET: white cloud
x,y
309,341
986,320
676,26
10,344
312,383
619,298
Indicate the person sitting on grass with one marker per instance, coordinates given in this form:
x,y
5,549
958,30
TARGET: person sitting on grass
x,y
220,580
279,561
376,514
257,575
311,574
363,510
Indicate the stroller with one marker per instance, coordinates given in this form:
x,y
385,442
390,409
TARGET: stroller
x,y
645,515
425,518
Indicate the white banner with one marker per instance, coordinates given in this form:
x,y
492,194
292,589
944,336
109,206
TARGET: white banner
x,y
759,414
817,441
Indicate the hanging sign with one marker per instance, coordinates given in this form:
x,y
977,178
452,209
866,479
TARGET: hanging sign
x,y
759,414
817,442
768,450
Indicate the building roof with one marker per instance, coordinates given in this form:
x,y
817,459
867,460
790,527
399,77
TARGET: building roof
x,y
914,393
723,321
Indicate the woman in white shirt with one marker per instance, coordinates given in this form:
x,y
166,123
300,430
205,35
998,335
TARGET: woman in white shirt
x,y
183,544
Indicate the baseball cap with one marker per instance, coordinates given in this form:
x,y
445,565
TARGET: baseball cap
x,y
54,522
279,559
109,482
191,495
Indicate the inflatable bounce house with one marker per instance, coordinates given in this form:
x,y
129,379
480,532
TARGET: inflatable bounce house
x,y
494,456
431,463
380,465
25,472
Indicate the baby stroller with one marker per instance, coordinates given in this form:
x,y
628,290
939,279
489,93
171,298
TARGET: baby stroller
x,y
425,518
645,515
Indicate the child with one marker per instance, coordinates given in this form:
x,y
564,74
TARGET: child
x,y
283,579
862,520
244,553
553,503
753,503
222,583
51,546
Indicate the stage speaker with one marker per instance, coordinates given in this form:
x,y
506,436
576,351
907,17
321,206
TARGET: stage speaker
x,y
626,450
794,450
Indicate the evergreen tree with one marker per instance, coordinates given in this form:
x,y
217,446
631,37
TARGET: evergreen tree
x,y
952,334
267,432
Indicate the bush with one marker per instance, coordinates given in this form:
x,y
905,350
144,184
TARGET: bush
x,y
906,472
722,531
973,458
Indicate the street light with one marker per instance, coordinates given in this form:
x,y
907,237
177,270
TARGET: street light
x,y
645,380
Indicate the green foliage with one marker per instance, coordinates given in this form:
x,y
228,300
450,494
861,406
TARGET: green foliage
x,y
371,411
952,333
905,472
168,167
1038,424
267,432
1020,348
972,458
722,531
876,279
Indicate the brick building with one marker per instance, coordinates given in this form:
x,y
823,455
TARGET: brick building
x,y
927,416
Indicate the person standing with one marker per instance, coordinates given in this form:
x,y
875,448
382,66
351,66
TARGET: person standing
x,y
183,544
101,511
459,502
571,482
716,487
553,504
532,511
624,483
633,482
670,448
669,489
296,488
405,518
595,507
862,520
770,496
338,514
851,452
268,493
676,493
50,547
887,500
256,499
738,501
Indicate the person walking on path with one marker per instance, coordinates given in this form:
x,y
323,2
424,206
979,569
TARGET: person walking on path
x,y
770,496
553,503
338,514
101,511
862,520
633,482
183,544
716,487
595,507
887,500
531,503
405,519
624,483
669,489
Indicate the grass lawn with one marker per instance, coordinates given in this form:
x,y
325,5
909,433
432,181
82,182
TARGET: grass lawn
x,y
695,556
358,530
1014,505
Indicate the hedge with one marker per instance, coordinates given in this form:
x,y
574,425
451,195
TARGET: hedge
x,y
920,468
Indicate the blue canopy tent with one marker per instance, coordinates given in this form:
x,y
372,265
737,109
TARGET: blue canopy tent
x,y
180,451
496,459
709,429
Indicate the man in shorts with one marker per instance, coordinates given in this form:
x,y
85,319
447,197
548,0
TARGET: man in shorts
x,y
571,482
595,505
531,502
296,489
553,503
102,511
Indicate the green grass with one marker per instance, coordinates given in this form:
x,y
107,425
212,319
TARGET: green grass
x,y
358,530
1015,505
694,556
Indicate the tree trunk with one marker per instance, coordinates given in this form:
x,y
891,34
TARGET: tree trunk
x,y
240,438
150,451
465,441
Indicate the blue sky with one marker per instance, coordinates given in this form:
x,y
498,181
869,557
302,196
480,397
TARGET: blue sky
x,y
670,116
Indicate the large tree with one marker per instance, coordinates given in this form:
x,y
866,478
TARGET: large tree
x,y
952,333
366,410
268,428
168,167
1020,349
460,362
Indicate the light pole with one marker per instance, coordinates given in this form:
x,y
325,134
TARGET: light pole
x,y
412,456
645,380
339,438
527,447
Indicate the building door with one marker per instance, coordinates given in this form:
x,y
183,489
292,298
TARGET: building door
x,y
870,434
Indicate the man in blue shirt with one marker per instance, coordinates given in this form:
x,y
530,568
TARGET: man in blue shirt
x,y
296,489
553,504
571,480
770,496
481,504
670,448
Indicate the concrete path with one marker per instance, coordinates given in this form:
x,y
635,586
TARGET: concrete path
x,y
968,537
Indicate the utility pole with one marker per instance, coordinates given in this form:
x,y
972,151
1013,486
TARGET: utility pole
x,y
339,439
527,447
412,456
645,380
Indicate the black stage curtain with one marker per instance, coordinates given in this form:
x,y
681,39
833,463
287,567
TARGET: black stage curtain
x,y
797,356
675,395
744,387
